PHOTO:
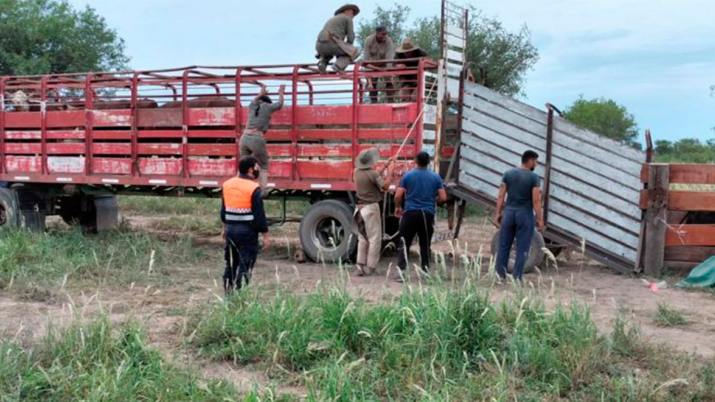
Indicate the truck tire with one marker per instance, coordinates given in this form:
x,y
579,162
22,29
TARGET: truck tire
x,y
536,252
93,213
9,212
326,232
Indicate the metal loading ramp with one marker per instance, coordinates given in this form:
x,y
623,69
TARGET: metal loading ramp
x,y
591,184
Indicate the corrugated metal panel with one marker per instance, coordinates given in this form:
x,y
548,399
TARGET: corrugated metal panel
x,y
595,181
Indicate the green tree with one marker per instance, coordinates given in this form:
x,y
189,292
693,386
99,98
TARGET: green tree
x,y
685,150
499,58
605,117
50,36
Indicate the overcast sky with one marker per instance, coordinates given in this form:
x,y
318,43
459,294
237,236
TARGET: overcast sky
x,y
656,57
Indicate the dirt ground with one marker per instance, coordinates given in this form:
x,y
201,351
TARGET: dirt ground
x,y
164,310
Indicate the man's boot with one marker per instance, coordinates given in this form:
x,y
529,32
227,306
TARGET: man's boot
x,y
342,62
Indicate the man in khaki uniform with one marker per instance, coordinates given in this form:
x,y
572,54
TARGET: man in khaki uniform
x,y
379,47
370,186
336,39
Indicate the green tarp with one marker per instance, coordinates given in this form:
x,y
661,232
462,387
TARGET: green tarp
x,y
702,276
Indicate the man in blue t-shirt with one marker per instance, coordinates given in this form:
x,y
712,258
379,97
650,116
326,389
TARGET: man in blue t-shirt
x,y
420,189
520,187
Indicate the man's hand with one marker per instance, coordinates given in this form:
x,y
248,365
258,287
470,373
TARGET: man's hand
x,y
223,232
266,241
282,89
497,219
399,212
540,225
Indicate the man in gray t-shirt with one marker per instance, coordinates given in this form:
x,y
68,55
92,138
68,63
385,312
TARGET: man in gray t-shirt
x,y
253,141
520,187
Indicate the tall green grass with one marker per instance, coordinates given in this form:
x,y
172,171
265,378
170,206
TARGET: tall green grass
x,y
116,257
94,362
441,344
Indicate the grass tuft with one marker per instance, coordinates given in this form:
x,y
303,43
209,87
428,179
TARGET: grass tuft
x,y
666,316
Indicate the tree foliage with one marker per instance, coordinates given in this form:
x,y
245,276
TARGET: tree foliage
x,y
605,117
500,59
50,36
686,150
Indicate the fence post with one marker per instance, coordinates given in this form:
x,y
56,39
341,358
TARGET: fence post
x,y
656,218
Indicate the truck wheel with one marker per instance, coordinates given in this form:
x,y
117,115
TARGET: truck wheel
x,y
92,213
536,252
326,232
9,213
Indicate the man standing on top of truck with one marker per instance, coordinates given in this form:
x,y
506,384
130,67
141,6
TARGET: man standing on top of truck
x,y
244,218
253,140
409,53
520,187
370,185
379,46
336,39
420,189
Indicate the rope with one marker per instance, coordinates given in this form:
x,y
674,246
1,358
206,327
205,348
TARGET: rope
x,y
414,123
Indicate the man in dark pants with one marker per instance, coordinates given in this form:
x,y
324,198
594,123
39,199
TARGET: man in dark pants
x,y
520,187
244,218
420,189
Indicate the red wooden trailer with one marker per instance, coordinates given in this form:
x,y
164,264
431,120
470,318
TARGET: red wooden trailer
x,y
69,143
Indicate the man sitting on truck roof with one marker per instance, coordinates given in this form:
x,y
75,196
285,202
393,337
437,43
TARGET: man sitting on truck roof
x,y
244,218
253,141
336,39
370,187
520,187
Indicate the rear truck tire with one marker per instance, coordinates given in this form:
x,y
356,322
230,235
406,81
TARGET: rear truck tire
x,y
93,213
9,210
536,252
32,207
326,232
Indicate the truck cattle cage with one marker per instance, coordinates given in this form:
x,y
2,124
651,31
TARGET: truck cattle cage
x,y
69,143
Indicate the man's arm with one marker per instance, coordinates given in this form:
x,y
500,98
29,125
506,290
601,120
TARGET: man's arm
x,y
441,196
387,173
351,32
260,223
281,98
399,199
538,209
500,204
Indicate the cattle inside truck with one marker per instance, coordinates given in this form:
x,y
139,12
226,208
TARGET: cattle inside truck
x,y
78,140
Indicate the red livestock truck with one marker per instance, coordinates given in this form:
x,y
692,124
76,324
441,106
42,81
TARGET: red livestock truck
x,y
69,143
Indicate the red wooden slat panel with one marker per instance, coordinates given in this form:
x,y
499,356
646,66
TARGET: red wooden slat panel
x,y
212,167
65,164
212,149
279,169
692,254
70,118
691,201
23,135
159,118
160,166
52,135
111,148
387,113
22,148
159,149
23,164
279,150
692,173
112,166
396,134
22,119
65,148
324,115
280,135
160,134
211,133
327,170
214,116
690,235
112,118
111,135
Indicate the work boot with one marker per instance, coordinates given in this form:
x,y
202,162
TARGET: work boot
x,y
341,63
323,66
360,270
